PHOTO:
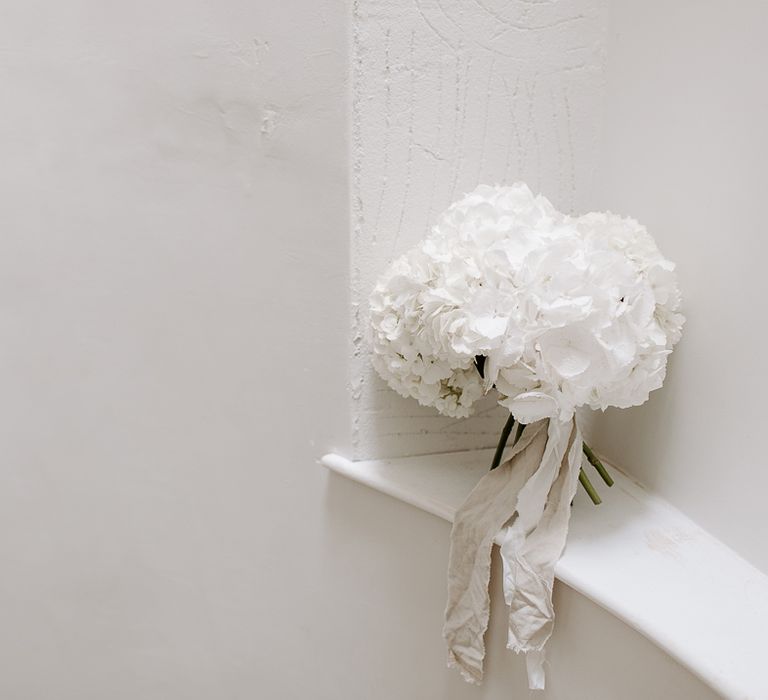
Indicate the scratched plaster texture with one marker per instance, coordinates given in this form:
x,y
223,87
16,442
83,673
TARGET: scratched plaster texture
x,y
447,94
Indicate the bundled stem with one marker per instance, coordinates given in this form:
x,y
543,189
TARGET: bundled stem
x,y
507,430
503,441
597,464
587,484
583,478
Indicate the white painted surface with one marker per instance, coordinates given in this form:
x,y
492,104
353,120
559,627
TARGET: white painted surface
x,y
172,193
670,130
635,555
174,316
684,151
448,95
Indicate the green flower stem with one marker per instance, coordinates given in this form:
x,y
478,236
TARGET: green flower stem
x,y
503,441
583,478
587,484
597,464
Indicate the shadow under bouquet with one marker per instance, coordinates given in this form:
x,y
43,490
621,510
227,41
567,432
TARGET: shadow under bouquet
x,y
551,312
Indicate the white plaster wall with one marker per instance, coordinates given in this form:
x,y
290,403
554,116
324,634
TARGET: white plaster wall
x,y
173,333
684,151
444,96
174,322
448,95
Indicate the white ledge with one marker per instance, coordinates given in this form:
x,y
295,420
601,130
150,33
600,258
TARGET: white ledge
x,y
635,555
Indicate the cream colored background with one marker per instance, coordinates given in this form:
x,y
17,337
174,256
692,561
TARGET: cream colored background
x,y
176,184
684,150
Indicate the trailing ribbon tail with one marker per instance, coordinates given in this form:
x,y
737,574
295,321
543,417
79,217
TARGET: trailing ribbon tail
x,y
527,501
480,518
533,543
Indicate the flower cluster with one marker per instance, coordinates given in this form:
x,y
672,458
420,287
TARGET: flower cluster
x,y
553,311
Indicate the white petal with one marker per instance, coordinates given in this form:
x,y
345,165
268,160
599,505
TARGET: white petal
x,y
532,406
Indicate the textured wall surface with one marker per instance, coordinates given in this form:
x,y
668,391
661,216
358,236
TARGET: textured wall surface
x,y
684,151
449,94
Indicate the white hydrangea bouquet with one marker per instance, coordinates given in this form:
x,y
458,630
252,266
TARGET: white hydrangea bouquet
x,y
551,312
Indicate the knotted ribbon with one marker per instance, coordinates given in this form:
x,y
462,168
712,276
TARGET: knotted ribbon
x,y
526,503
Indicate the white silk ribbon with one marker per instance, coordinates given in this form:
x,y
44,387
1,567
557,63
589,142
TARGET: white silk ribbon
x,y
526,502
534,541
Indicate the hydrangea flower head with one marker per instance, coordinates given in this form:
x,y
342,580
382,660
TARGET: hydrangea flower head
x,y
565,311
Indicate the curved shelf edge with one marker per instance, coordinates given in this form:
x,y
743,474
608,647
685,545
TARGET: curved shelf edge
x,y
635,555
